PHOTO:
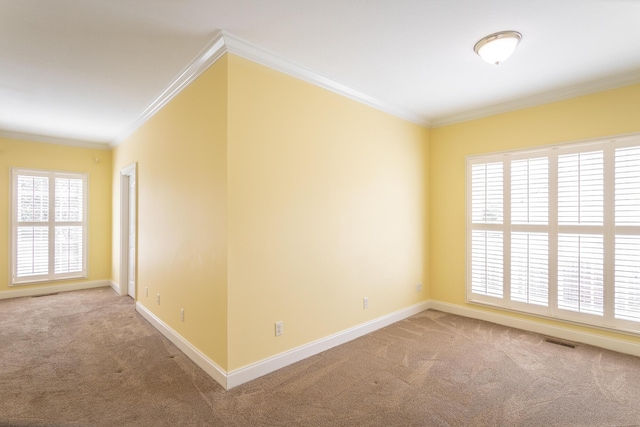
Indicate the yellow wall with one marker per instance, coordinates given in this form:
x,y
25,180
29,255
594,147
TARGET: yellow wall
x,y
182,212
34,155
327,205
603,114
265,198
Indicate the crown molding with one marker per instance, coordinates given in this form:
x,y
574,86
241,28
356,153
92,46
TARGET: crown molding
x,y
224,42
204,60
540,99
23,136
256,54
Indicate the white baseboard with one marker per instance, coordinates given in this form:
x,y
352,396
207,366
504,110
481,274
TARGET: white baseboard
x,y
115,287
53,289
601,341
206,364
271,364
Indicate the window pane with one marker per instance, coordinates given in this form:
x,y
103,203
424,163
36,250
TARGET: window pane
x,y
486,193
580,188
628,186
530,268
487,263
32,197
530,191
627,282
580,273
68,249
32,257
68,199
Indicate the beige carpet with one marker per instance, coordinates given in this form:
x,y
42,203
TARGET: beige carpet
x,y
87,358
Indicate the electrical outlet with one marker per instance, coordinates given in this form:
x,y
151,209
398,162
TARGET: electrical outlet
x,y
182,314
279,328
365,302
158,299
418,287
146,292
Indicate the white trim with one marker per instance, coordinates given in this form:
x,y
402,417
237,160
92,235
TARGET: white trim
x,y
125,211
224,42
271,364
540,99
608,343
54,289
54,140
206,364
208,57
256,54
115,287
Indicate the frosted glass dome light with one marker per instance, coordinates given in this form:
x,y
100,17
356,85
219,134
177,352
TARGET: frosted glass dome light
x,y
497,47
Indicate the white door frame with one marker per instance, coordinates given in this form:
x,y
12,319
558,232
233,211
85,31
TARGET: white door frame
x,y
128,214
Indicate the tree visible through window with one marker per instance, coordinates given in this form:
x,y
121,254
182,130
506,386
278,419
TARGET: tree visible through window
x,y
49,222
556,231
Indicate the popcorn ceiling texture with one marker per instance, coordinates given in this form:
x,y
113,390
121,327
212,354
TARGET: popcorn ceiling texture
x,y
86,358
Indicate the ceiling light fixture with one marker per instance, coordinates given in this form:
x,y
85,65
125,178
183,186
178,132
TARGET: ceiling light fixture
x,y
497,47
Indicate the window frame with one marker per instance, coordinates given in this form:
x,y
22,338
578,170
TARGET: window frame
x,y
51,223
609,230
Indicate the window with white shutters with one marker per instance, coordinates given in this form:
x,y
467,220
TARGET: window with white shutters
x,y
555,231
49,226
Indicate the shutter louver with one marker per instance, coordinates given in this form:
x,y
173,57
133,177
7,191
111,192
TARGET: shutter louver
x,y
32,255
627,282
627,168
530,191
487,263
581,188
530,268
487,192
68,249
581,273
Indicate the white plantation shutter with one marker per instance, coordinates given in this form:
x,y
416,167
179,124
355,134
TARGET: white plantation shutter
x,y
580,188
580,256
530,268
48,226
68,231
581,273
627,182
530,191
530,249
555,231
32,210
627,273
32,251
627,245
68,249
487,263
487,186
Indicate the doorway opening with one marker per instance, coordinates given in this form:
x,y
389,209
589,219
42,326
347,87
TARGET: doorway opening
x,y
128,226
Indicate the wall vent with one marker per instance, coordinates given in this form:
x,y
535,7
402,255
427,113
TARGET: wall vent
x,y
559,342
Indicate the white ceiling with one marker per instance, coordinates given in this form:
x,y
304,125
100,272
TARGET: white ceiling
x,y
86,70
